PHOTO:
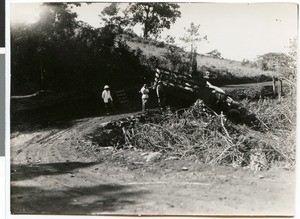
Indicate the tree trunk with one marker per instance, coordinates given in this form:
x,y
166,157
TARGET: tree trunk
x,y
146,27
145,32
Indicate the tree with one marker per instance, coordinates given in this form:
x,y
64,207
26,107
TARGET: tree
x,y
153,16
176,56
61,54
111,10
40,51
273,61
192,37
111,16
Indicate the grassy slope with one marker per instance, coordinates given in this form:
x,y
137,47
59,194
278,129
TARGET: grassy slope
x,y
214,64
234,67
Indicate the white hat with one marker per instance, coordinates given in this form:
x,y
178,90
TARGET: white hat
x,y
106,87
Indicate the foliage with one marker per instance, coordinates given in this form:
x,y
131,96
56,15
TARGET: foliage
x,y
177,58
170,40
192,37
59,53
293,58
111,16
273,61
39,50
286,64
153,16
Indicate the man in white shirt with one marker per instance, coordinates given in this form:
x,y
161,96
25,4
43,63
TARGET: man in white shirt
x,y
145,96
107,99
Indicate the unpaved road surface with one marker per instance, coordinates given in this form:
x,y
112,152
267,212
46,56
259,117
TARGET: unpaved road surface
x,y
58,171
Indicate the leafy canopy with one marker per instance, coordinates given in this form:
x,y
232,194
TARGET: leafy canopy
x,y
111,16
153,16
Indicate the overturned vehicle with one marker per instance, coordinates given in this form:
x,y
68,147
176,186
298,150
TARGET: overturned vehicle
x,y
184,88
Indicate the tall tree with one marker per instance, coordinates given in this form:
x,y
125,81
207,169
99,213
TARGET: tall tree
x,y
193,37
153,16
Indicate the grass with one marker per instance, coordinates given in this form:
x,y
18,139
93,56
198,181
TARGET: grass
x,y
234,67
225,70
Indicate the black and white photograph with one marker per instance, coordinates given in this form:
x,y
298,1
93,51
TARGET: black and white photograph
x,y
153,108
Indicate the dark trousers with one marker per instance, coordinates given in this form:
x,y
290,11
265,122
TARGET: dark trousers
x,y
108,107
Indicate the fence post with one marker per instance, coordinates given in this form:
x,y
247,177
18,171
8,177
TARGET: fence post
x,y
280,88
274,85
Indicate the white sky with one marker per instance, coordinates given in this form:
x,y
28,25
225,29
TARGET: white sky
x,y
238,31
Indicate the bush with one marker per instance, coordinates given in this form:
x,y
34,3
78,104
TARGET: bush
x,y
160,44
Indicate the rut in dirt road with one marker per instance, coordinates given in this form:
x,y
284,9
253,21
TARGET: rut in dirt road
x,y
56,145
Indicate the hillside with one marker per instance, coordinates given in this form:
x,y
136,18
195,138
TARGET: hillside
x,y
228,71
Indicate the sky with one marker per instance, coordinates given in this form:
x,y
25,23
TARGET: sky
x,y
238,31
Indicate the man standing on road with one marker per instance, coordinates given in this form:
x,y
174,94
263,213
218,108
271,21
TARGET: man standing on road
x,y
145,96
107,99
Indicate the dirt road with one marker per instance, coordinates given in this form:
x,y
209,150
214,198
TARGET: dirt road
x,y
59,171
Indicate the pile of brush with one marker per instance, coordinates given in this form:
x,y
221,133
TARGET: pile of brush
x,y
211,138
114,132
200,133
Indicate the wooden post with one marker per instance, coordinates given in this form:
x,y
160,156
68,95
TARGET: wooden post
x,y
280,88
274,85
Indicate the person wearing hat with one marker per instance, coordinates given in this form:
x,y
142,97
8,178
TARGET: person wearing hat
x,y
107,99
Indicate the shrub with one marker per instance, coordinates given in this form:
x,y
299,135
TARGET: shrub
x,y
160,44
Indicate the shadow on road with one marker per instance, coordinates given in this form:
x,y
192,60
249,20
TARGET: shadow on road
x,y
75,200
59,115
76,196
29,171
